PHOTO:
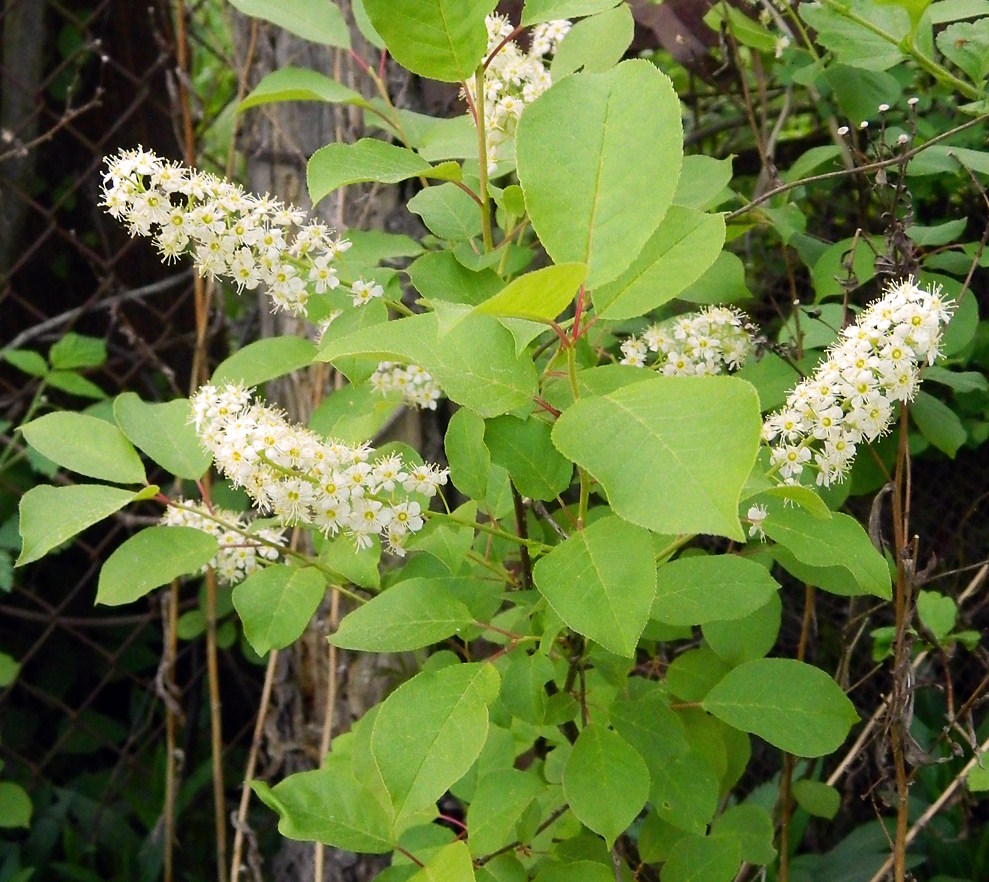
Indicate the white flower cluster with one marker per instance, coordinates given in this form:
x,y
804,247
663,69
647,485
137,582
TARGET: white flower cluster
x,y
238,554
850,398
231,234
301,478
514,78
416,384
694,344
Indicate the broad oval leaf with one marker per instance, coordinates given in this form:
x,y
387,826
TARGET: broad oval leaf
x,y
164,433
369,159
525,449
672,453
792,705
410,615
150,559
450,863
51,515
15,807
429,731
264,360
300,84
703,859
276,603
441,39
601,582
538,11
540,295
605,781
87,445
498,803
319,21
710,588
597,189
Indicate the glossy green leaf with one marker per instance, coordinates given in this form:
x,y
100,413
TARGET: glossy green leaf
x,y
329,805
51,515
792,705
164,433
584,183
474,362
710,588
601,582
853,43
752,826
15,806
668,469
87,445
685,244
938,423
448,212
441,39
275,604
525,449
264,360
150,559
300,84
410,615
451,863
643,718
703,859
357,565
429,731
73,351
595,44
369,159
319,21
538,11
498,803
605,781
469,459
817,798
860,92
540,295
837,542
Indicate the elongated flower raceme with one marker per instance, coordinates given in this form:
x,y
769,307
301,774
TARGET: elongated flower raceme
x,y
850,398
230,234
301,478
241,546
695,344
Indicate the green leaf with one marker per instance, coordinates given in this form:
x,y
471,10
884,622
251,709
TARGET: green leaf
x,y
752,827
77,351
685,792
752,636
74,384
601,582
853,43
429,731
264,360
745,30
710,588
938,423
26,360
51,515
300,84
525,449
938,234
966,44
977,780
451,863
595,44
152,558
937,612
329,805
540,295
692,674
792,705
9,669
354,413
837,542
448,212
703,182
410,615
474,362
653,447
958,381
817,798
584,185
357,565
523,685
440,276
164,433
860,92
440,39
276,603
319,21
499,801
369,159
722,282
605,781
15,805
684,246
538,11
87,445
466,454
703,859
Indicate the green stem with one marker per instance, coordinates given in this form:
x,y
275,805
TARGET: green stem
x,y
482,153
534,545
